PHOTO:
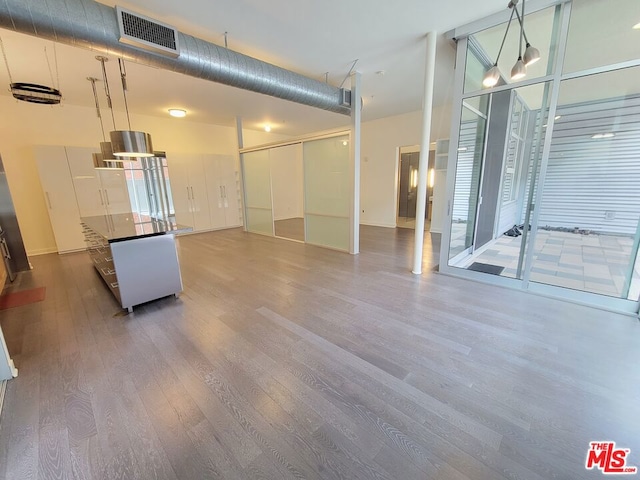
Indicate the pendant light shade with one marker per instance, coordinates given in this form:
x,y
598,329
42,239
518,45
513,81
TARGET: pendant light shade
x,y
531,55
107,152
491,77
129,143
100,162
519,70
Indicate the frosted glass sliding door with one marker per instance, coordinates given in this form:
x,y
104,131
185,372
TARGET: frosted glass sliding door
x,y
257,185
327,192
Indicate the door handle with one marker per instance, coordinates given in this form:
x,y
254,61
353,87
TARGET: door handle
x,y
224,189
49,200
5,250
106,195
221,194
192,196
188,195
101,201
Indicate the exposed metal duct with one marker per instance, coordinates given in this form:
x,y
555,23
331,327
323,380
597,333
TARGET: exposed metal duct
x,y
88,24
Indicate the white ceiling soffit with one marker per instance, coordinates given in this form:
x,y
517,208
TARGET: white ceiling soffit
x,y
307,37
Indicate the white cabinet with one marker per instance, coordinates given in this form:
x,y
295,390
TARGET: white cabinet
x,y
60,198
116,194
73,188
189,190
222,185
205,190
98,191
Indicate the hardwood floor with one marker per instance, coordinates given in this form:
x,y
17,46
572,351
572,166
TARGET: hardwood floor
x,y
292,228
282,360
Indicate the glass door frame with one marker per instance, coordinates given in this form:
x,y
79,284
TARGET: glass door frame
x,y
461,36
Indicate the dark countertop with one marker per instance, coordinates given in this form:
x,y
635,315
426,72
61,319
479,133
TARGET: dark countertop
x,y
127,226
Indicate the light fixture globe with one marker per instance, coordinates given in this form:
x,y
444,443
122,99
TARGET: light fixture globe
x,y
129,143
519,70
491,77
531,55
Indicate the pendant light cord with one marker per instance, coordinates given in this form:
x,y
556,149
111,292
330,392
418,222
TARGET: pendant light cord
x,y
123,77
6,62
521,28
107,92
95,98
522,24
505,35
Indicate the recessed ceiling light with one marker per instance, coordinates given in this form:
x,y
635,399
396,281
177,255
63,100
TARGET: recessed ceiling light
x,y
177,112
636,26
603,135
267,128
558,117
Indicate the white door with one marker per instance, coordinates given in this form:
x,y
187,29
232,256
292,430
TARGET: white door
x,y
86,182
199,195
60,198
215,191
226,167
181,193
115,191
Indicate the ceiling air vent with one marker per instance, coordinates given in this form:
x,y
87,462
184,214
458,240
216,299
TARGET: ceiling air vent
x,y
345,97
146,33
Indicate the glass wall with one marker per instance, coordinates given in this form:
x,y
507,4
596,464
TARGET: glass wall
x,y
546,167
301,191
327,193
590,203
257,192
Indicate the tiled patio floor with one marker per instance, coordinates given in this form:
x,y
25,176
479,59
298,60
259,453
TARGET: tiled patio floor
x,y
591,263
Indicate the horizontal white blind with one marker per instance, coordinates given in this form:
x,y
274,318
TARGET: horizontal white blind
x,y
593,184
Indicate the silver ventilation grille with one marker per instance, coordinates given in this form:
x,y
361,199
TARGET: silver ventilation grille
x,y
143,32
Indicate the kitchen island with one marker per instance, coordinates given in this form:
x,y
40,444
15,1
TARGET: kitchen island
x,y
135,255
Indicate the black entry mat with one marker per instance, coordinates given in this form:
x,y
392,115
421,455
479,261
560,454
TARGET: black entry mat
x,y
486,268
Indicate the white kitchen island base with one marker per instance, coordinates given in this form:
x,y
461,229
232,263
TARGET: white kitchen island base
x,y
135,255
147,268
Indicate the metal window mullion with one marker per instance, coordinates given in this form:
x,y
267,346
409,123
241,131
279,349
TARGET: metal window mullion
x,y
565,14
508,86
452,156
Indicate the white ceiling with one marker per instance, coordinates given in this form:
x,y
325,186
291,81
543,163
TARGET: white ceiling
x,y
304,36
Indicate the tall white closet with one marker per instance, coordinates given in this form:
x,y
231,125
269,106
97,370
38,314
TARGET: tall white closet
x,y
73,188
205,190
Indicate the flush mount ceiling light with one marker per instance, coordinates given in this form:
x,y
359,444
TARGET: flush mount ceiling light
x,y
598,136
531,54
177,112
129,143
636,26
267,128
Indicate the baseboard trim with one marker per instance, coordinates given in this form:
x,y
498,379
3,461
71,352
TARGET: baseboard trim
x,y
383,225
41,251
3,390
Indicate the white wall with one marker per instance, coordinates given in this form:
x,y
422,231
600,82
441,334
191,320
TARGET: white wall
x,y
23,125
381,140
287,182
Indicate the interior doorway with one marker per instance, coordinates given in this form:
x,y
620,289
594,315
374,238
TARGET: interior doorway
x,y
408,167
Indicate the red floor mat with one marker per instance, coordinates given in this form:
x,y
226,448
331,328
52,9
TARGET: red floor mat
x,y
21,298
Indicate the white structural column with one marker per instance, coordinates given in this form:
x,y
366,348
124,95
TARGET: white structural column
x,y
423,166
241,166
356,114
